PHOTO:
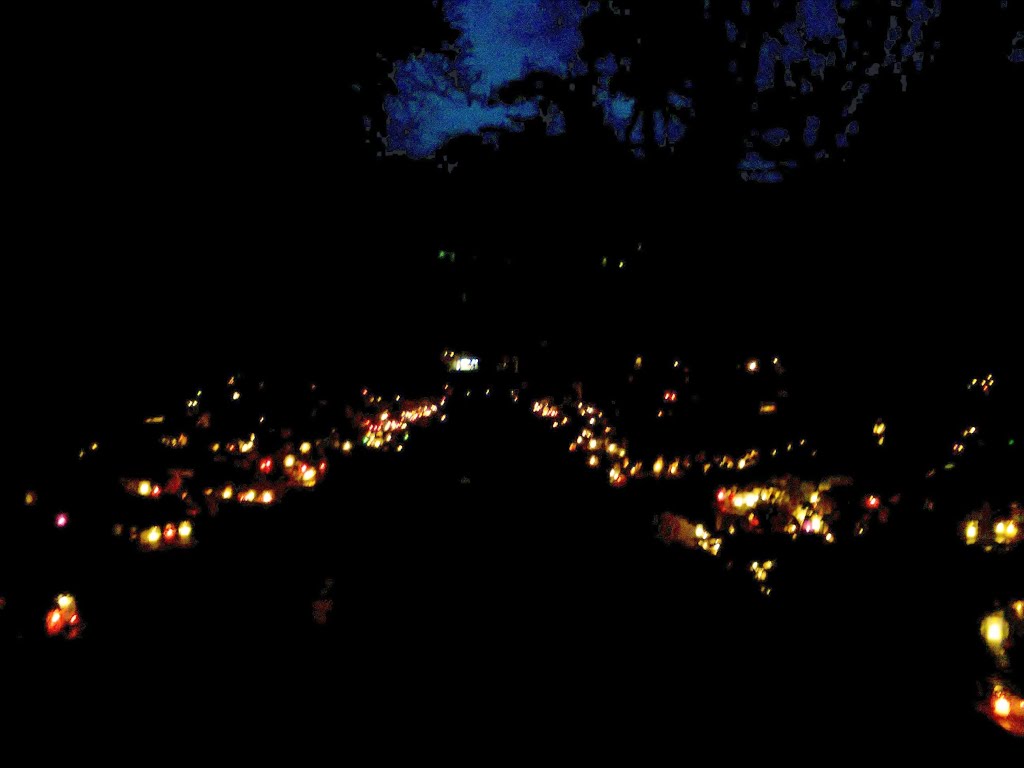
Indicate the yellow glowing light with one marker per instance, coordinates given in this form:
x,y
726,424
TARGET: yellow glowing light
x,y
815,497
145,488
1018,608
816,523
592,445
305,448
829,538
971,532
289,461
63,601
612,448
1002,707
995,629
699,532
752,497
309,475
659,465
593,461
638,363
185,529
246,446
346,447
1000,528
235,395
1011,530
215,447
267,497
153,535
30,499
753,365
227,493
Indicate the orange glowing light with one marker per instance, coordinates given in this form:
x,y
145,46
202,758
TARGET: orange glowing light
x,y
1001,706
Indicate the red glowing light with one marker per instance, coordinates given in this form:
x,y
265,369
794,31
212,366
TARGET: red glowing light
x,y
721,494
61,520
670,396
267,465
73,620
619,481
754,522
156,492
322,467
169,532
53,622
873,502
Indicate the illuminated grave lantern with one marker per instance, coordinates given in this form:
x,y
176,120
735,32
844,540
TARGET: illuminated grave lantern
x,y
462,363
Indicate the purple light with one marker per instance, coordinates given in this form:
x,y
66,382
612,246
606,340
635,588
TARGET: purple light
x,y
61,520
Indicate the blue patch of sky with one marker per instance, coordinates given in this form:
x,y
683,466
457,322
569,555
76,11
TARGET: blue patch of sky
x,y
554,121
503,41
679,101
755,168
429,110
775,136
617,108
500,42
660,135
676,129
811,128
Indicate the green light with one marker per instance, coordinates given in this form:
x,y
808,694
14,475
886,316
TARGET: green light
x,y
442,255
604,262
1012,441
